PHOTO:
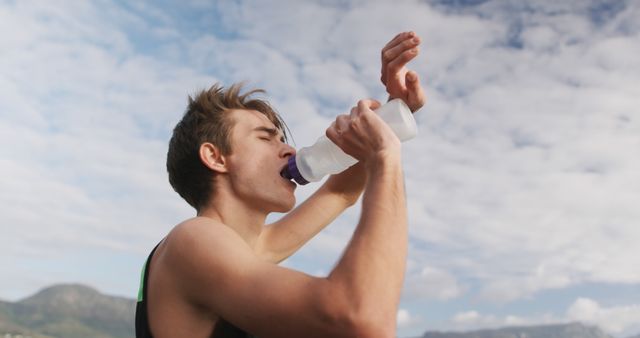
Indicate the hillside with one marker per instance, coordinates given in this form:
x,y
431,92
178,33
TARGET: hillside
x,y
77,311
69,311
572,330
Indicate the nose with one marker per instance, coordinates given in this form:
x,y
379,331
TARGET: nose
x,y
287,150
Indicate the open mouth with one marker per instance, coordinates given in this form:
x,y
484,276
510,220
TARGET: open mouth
x,y
284,173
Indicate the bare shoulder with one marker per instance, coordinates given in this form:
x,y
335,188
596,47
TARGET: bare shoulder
x,y
200,251
201,230
198,237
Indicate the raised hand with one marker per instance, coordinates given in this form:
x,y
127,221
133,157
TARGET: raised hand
x,y
399,81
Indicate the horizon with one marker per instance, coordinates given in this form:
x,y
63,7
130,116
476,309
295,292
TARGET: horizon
x,y
425,331
522,184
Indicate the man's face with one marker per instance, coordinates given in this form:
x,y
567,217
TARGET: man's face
x,y
258,156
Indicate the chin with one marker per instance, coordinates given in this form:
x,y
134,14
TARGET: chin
x,y
285,205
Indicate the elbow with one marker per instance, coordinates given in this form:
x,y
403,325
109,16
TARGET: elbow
x,y
371,326
366,323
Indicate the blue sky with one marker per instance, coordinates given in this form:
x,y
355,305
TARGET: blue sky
x,y
523,184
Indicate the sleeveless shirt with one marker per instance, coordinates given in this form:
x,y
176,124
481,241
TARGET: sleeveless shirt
x,y
223,329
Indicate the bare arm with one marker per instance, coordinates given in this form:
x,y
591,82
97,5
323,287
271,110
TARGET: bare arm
x,y
382,234
281,239
372,267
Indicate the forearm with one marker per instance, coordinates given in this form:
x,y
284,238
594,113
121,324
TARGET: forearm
x,y
348,184
372,268
284,237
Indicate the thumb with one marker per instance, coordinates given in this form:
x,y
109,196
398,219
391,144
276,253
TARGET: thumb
x,y
415,93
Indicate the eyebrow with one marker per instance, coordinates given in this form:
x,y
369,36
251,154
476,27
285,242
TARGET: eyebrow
x,y
271,131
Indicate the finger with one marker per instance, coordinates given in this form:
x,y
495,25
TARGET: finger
x,y
389,54
342,124
332,134
416,96
375,104
392,49
368,104
401,60
332,126
398,38
354,112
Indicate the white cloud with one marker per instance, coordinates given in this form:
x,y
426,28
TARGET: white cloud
x,y
406,319
473,320
615,319
523,177
620,320
82,168
431,283
409,321
403,317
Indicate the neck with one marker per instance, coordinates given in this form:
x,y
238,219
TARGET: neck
x,y
237,215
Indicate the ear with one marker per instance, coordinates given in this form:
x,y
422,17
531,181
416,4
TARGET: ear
x,y
211,157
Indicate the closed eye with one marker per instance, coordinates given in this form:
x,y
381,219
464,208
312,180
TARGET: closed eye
x,y
272,132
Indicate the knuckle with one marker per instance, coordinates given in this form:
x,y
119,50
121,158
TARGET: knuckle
x,y
386,56
332,135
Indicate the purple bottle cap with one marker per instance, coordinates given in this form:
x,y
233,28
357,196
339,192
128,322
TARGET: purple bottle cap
x,y
291,172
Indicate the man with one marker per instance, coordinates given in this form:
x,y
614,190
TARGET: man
x,y
216,275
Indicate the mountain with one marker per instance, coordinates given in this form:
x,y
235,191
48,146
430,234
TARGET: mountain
x,y
77,311
69,311
571,330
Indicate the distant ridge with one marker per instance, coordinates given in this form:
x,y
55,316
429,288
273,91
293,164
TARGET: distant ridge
x,y
79,311
69,311
571,330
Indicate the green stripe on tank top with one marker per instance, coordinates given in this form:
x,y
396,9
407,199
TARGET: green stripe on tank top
x,y
141,289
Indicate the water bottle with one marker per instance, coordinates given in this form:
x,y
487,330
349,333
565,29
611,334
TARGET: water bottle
x,y
311,164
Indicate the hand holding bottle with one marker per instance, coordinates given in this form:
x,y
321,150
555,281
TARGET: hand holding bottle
x,y
360,134
363,134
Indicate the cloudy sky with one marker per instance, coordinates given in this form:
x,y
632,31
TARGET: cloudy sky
x,y
523,184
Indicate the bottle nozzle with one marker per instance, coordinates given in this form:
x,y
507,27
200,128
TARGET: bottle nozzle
x,y
291,172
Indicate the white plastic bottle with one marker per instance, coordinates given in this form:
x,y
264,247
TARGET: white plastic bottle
x,y
311,164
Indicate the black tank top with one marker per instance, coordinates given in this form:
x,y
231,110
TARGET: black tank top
x,y
223,329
